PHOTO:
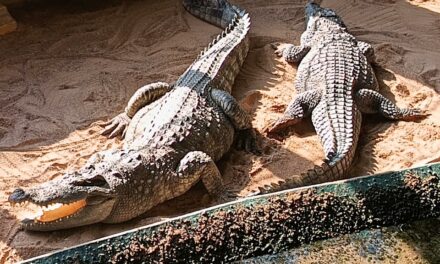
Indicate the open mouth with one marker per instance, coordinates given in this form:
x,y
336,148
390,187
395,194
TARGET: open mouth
x,y
51,212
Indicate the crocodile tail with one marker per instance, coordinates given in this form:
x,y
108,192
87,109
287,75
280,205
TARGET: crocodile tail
x,y
225,55
337,163
217,12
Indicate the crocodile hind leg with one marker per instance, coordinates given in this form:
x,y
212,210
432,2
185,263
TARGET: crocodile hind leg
x,y
199,165
246,138
371,102
142,97
300,107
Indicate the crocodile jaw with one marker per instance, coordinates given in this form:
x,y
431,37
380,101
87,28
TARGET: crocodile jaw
x,y
84,216
76,199
55,216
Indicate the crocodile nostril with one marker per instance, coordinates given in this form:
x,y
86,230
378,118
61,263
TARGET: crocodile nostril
x,y
18,195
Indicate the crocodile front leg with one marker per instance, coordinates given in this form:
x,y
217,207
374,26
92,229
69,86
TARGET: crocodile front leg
x,y
240,119
367,50
199,165
371,102
291,53
142,97
300,107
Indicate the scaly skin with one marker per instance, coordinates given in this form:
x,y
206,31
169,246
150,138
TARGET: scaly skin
x,y
335,83
173,136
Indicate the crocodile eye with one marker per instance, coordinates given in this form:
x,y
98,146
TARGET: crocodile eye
x,y
97,181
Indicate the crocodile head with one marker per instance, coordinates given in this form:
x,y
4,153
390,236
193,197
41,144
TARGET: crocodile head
x,y
314,11
73,200
95,193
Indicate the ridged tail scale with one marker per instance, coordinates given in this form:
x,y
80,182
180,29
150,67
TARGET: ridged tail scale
x,y
222,59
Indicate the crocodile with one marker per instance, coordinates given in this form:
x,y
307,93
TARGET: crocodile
x,y
173,135
335,84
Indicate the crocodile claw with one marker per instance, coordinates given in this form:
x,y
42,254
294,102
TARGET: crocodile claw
x,y
116,126
277,126
247,140
279,50
415,114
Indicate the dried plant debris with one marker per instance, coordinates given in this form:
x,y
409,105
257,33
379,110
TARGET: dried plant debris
x,y
283,223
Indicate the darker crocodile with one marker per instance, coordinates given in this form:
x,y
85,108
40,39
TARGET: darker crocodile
x,y
335,84
173,136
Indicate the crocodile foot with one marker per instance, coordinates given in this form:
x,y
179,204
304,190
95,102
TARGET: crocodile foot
x,y
247,140
116,126
279,48
272,130
414,114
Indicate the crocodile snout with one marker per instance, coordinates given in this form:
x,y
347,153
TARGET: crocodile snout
x,y
19,195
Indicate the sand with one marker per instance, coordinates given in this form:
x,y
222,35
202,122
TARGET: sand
x,y
73,64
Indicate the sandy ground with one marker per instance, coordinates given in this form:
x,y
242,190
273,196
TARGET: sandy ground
x,y
73,64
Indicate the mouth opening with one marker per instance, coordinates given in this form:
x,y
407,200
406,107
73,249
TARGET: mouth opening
x,y
52,212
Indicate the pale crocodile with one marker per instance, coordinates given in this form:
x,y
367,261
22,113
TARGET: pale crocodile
x,y
173,136
335,84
